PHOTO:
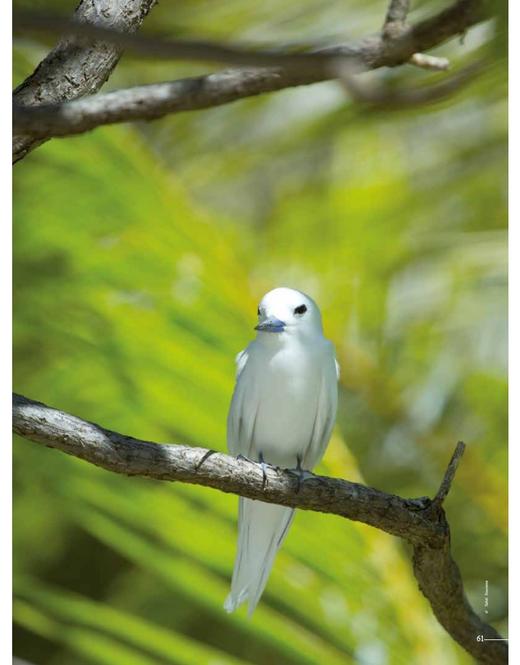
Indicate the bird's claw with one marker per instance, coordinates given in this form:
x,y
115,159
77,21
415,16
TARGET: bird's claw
x,y
300,473
263,466
261,462
207,454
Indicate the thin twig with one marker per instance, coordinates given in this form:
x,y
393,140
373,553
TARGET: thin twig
x,y
432,62
449,475
395,17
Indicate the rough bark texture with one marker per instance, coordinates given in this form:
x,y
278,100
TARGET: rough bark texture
x,y
156,100
421,522
395,17
73,68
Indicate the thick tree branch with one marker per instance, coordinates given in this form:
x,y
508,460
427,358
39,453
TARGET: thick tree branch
x,y
421,522
156,100
72,68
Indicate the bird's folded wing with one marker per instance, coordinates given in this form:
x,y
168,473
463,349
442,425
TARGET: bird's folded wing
x,y
325,416
241,360
241,416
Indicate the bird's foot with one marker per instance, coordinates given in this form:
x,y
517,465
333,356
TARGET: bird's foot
x,y
301,474
204,457
263,466
245,459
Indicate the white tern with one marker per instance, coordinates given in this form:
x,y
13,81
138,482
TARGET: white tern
x,y
282,413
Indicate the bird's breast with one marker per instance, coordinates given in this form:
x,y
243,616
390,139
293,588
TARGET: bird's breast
x,y
287,388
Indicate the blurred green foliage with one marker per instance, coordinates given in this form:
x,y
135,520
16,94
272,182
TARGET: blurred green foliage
x,y
140,254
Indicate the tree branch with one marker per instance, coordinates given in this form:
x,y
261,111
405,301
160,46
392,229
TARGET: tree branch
x,y
381,98
158,46
395,17
73,69
292,69
394,25
445,487
421,522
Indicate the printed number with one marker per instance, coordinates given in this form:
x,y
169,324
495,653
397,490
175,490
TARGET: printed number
x,y
480,638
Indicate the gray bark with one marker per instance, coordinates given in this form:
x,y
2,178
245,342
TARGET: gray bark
x,y
74,68
51,118
421,522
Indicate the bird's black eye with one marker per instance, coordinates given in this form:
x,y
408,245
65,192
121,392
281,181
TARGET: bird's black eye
x,y
258,311
300,310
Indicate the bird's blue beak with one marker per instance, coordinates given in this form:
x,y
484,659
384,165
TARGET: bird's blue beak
x,y
272,324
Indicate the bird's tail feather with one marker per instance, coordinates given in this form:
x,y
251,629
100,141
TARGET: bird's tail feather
x,y
262,528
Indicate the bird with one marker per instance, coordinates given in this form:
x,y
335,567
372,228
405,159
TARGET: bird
x,y
282,413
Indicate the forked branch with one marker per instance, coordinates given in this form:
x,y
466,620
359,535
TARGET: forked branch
x,y
48,104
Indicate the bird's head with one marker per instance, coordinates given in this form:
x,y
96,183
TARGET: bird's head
x,y
290,312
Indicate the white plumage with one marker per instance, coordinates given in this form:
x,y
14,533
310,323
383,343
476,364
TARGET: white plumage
x,y
282,412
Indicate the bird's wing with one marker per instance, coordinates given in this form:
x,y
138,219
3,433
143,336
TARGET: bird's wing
x,y
242,412
240,361
325,414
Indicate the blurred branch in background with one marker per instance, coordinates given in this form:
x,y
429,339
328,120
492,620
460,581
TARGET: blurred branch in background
x,y
158,46
421,522
54,115
396,16
381,98
394,26
312,60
